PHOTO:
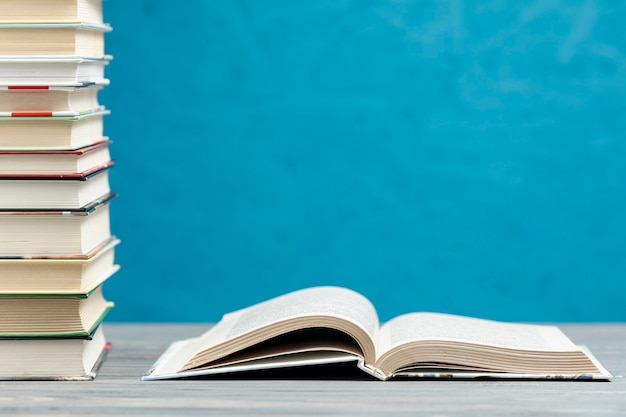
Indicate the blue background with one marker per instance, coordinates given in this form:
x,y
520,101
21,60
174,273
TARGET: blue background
x,y
455,156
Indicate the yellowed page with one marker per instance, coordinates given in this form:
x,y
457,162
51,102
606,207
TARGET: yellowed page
x,y
332,307
316,301
437,326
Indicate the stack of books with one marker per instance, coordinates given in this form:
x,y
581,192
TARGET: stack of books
x,y
56,246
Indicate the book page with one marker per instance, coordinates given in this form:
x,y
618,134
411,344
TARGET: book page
x,y
435,326
324,301
315,303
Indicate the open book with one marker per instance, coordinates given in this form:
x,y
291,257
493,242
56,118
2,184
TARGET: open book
x,y
332,325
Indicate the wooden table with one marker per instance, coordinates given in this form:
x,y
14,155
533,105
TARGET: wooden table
x,y
118,391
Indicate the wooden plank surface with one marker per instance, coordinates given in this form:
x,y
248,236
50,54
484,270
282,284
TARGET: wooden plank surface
x,y
118,390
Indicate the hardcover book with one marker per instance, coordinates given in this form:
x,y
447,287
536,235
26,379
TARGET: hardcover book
x,y
50,39
55,233
52,70
60,315
53,191
48,11
50,163
58,359
48,276
332,325
53,100
51,132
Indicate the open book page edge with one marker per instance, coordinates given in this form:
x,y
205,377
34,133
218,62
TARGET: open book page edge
x,y
495,375
605,373
278,362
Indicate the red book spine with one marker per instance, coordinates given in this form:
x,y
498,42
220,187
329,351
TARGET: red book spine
x,y
31,114
28,87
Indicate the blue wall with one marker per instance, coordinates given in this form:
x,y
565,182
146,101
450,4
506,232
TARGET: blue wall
x,y
457,156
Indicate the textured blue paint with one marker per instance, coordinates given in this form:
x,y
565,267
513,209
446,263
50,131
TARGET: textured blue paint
x,y
457,156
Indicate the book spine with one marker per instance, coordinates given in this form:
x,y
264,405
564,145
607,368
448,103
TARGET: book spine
x,y
24,87
376,373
